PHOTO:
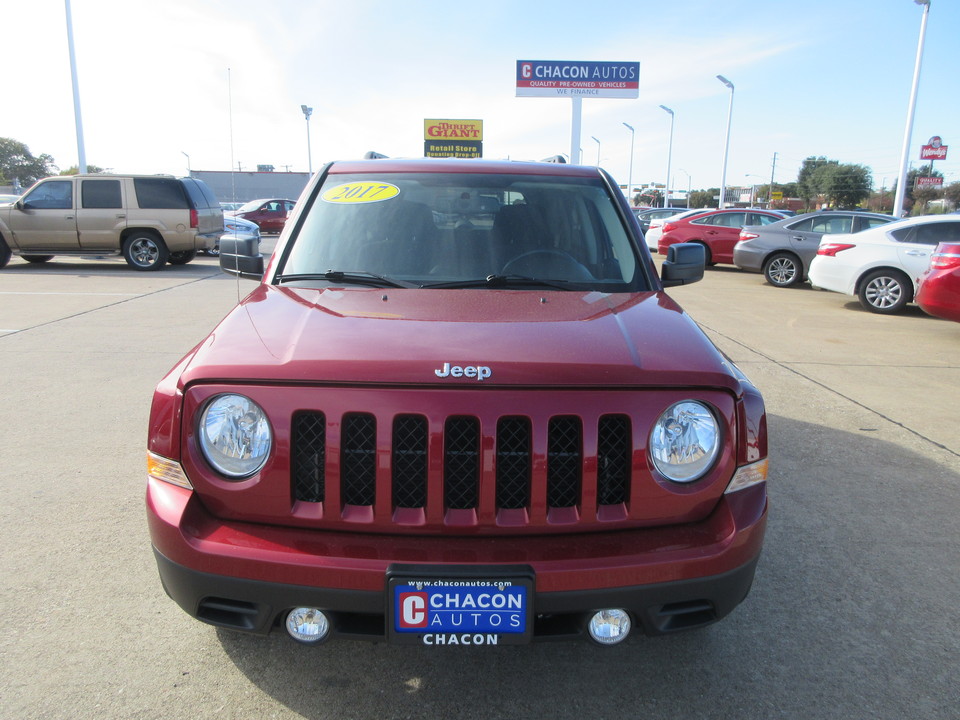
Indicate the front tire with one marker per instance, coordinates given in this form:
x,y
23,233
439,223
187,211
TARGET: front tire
x,y
145,251
182,257
783,270
885,292
4,253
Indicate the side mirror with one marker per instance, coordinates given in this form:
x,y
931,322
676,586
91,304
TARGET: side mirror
x,y
684,264
241,256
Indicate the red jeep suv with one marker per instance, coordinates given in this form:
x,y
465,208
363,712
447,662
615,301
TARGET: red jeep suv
x,y
457,409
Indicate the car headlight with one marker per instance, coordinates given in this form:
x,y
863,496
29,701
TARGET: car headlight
x,y
685,441
235,436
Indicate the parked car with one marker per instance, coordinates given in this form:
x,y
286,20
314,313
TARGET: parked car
x,y
882,266
646,215
717,230
231,206
235,227
149,219
6,198
783,250
652,234
939,291
269,215
370,444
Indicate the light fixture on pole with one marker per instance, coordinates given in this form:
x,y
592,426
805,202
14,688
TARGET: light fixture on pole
x,y
307,112
908,130
598,150
666,188
630,175
726,145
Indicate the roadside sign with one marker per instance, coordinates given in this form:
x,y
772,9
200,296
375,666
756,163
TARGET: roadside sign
x,y
453,138
934,149
928,182
585,79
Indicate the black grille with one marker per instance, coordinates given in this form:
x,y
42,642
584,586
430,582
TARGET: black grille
x,y
359,461
613,459
308,456
564,462
512,452
513,463
410,461
461,462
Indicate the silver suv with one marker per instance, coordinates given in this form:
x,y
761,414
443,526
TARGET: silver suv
x,y
149,219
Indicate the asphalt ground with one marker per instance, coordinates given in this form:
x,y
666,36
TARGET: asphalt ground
x,y
853,614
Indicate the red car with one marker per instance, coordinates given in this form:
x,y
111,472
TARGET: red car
x,y
458,409
718,231
939,290
269,215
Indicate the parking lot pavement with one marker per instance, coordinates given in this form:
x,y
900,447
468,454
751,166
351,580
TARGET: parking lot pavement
x,y
854,611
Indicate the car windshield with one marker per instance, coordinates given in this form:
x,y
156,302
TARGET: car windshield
x,y
464,230
250,206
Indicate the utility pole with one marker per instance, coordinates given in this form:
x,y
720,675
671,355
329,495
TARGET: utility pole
x,y
773,171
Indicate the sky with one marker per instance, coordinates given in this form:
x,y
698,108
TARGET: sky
x,y
218,84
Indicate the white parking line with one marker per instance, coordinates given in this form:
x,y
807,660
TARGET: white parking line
x,y
72,293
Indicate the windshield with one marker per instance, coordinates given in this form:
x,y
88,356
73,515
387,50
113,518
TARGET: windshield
x,y
250,206
455,229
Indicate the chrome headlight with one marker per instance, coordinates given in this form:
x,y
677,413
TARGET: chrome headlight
x,y
235,436
685,441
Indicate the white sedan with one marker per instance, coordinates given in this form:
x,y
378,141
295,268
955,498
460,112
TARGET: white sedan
x,y
882,266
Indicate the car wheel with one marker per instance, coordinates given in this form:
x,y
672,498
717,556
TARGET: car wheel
x,y
182,257
885,291
145,251
783,270
37,258
706,254
4,253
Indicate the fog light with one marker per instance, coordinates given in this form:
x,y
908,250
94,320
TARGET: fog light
x,y
608,627
308,625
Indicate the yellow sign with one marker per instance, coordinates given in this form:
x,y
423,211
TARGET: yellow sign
x,y
453,129
365,191
776,195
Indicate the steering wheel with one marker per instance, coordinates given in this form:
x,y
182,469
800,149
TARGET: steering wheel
x,y
559,265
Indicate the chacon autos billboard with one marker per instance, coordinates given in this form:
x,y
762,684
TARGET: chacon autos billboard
x,y
568,78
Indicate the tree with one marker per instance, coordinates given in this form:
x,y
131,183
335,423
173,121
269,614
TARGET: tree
x,y
75,170
703,198
847,185
808,180
952,193
18,163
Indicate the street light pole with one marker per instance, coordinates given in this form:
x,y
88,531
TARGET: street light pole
x,y
908,130
598,150
188,162
307,112
666,187
726,146
630,176
81,149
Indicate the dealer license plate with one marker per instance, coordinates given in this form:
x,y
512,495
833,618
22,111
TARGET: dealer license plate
x,y
441,606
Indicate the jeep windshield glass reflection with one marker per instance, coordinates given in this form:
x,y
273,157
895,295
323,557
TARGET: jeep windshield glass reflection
x,y
448,230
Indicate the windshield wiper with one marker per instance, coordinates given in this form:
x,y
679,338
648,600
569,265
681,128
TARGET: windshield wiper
x,y
353,277
502,281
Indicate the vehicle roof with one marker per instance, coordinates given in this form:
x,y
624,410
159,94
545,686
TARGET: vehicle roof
x,y
454,165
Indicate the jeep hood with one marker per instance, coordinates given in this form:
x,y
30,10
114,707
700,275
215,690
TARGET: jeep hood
x,y
518,338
